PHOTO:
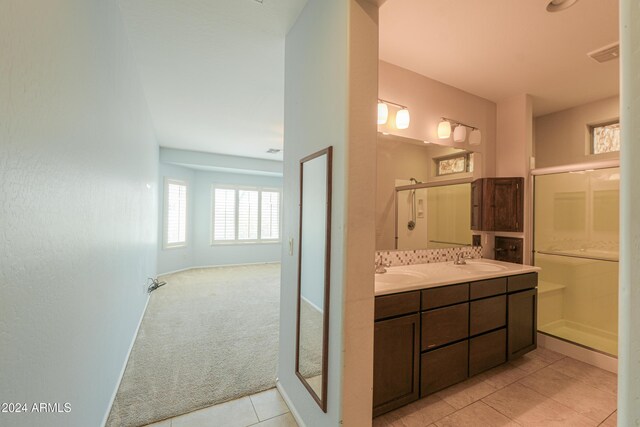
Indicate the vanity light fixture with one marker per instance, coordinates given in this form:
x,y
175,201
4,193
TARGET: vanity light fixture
x,y
402,116
460,131
383,112
403,119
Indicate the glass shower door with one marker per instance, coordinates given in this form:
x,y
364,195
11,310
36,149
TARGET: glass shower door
x,y
576,245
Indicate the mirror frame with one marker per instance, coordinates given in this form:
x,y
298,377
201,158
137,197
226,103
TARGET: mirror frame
x,y
417,187
321,400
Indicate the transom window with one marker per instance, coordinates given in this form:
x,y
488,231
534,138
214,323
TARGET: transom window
x,y
245,215
458,163
605,138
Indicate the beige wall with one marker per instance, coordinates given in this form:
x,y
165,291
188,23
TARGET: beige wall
x,y
428,100
562,138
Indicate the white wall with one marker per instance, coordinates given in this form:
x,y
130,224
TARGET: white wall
x,y
174,259
331,78
562,138
78,197
199,252
629,341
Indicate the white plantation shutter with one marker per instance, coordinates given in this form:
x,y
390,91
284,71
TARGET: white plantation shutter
x,y
247,215
176,213
224,214
270,215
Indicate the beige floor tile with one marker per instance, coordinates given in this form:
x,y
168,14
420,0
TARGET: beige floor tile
x,y
612,421
165,423
589,401
502,376
236,413
530,408
547,355
417,414
467,392
268,404
476,415
285,420
589,374
536,360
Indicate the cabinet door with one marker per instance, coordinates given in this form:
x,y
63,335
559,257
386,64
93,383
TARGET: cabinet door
x,y
396,360
444,367
521,324
507,204
487,351
476,205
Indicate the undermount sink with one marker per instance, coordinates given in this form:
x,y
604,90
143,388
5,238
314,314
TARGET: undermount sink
x,y
399,277
480,266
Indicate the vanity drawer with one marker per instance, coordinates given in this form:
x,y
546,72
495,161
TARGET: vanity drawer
x,y
443,367
487,351
397,304
522,282
487,288
444,325
487,314
445,295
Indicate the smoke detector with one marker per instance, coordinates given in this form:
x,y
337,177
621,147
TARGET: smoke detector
x,y
273,150
606,53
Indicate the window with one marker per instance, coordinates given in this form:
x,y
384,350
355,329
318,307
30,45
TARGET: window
x,y
458,163
245,215
175,213
605,138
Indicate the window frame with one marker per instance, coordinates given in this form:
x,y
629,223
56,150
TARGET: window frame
x,y
259,240
165,226
467,161
591,143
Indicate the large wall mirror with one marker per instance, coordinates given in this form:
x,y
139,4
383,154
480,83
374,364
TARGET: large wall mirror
x,y
314,258
423,194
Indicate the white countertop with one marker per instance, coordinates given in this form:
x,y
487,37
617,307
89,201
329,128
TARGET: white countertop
x,y
422,276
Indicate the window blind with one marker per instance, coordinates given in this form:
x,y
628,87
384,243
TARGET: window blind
x,y
270,215
224,214
176,221
247,215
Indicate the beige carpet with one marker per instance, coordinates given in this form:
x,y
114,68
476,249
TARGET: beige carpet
x,y
208,336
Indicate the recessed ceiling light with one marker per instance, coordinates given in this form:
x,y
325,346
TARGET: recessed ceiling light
x,y
258,1
273,150
558,5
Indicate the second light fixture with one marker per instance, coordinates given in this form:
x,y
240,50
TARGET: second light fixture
x,y
402,116
459,131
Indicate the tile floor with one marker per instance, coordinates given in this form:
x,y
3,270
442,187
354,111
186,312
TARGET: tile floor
x,y
542,388
265,409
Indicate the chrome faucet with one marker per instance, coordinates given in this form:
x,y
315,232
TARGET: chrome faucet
x,y
381,267
460,259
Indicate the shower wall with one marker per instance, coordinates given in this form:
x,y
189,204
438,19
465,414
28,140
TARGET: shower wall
x,y
576,245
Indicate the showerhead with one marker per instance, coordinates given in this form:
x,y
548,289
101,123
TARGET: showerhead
x,y
415,181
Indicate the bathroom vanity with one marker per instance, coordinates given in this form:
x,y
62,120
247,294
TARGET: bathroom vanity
x,y
437,324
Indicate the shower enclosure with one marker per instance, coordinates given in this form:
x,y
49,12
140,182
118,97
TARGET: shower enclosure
x,y
576,245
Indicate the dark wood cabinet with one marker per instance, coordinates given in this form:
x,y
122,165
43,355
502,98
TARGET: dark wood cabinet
x,y
396,361
521,323
444,367
497,204
427,340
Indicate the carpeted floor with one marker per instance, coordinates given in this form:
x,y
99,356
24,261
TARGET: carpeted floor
x,y
208,336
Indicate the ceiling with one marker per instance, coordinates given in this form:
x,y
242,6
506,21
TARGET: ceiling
x,y
213,71
500,48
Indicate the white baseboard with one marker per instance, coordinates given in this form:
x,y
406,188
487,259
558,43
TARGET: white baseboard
x,y
217,265
287,400
124,365
583,354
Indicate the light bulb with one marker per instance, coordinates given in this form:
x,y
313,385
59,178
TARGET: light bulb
x,y
460,133
403,119
444,129
383,113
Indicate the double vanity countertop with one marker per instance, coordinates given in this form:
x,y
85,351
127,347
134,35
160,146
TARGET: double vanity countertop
x,y
423,276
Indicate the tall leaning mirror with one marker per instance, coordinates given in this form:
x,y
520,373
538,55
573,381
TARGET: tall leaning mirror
x,y
313,274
